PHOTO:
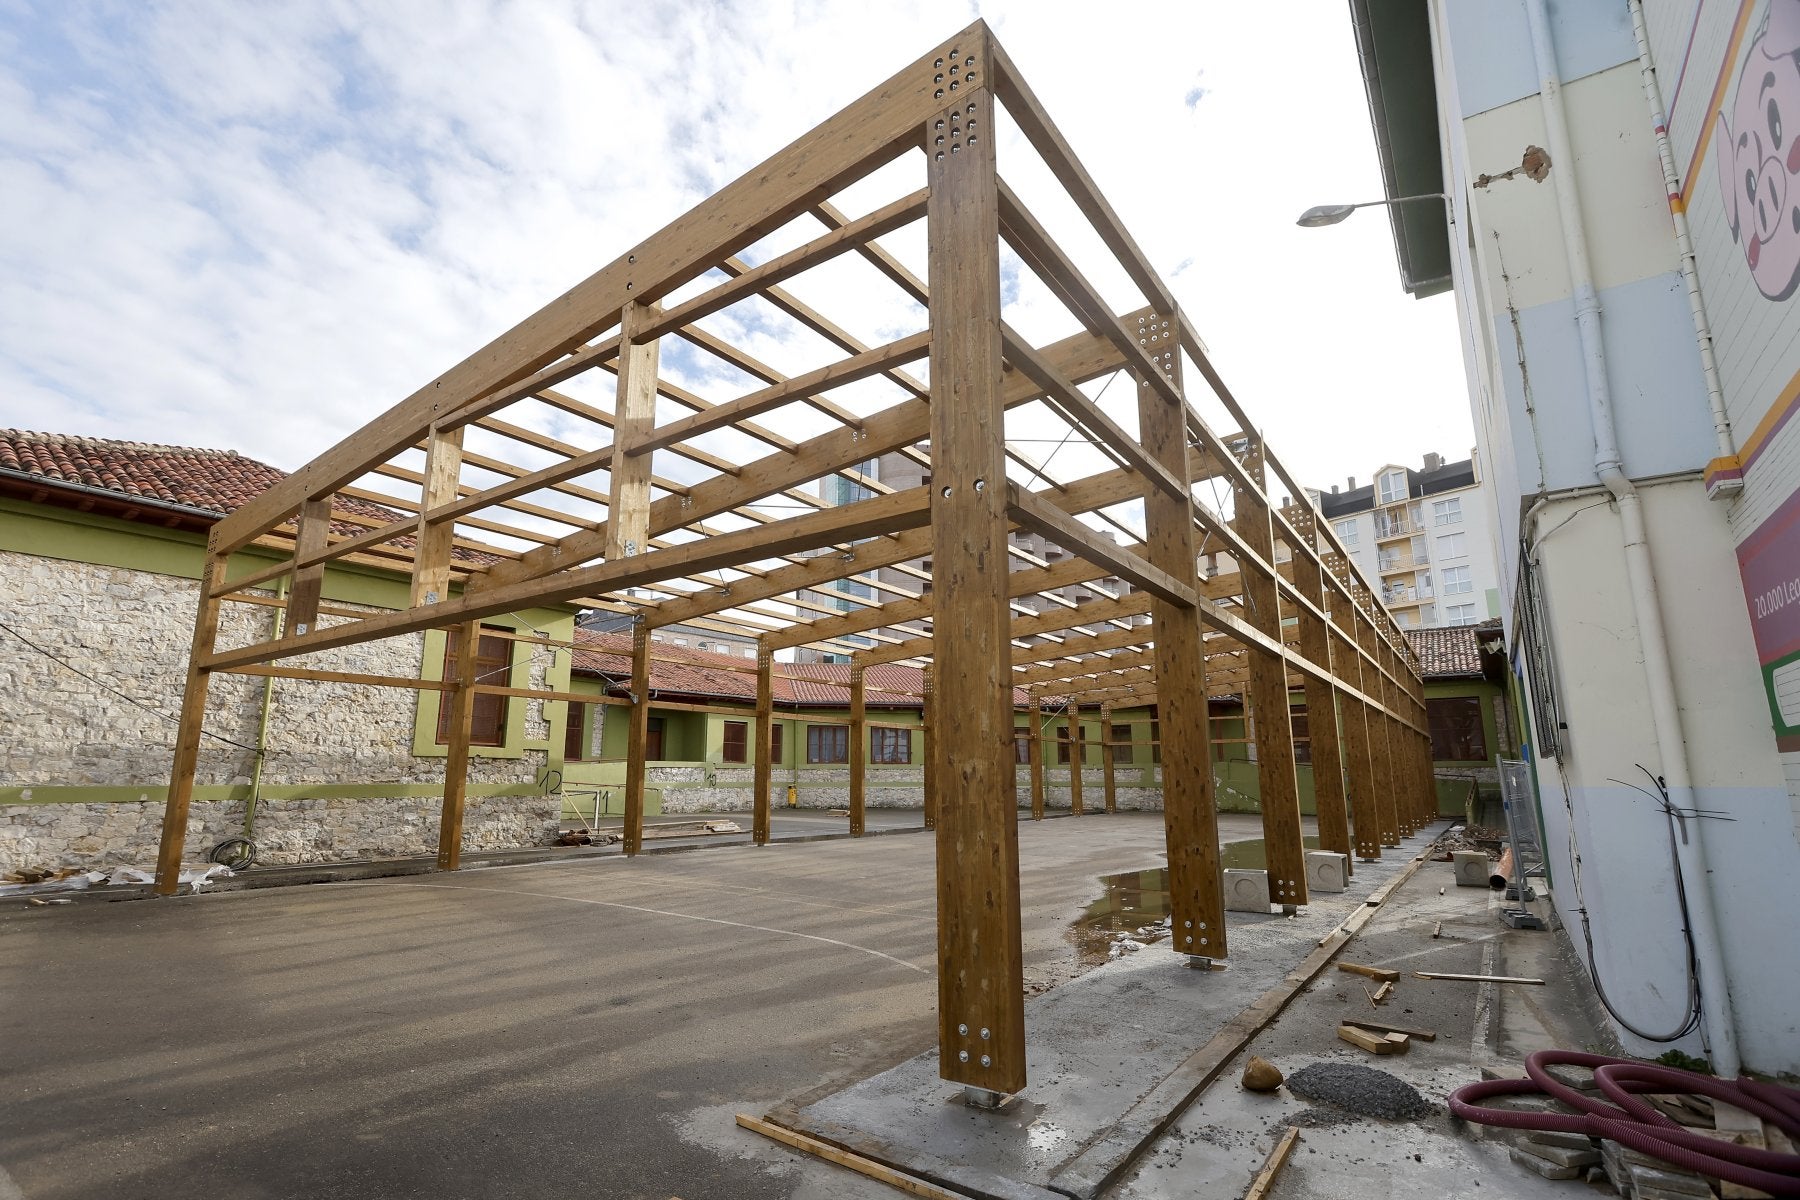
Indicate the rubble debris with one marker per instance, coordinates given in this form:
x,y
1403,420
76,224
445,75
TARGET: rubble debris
x,y
1358,1089
1543,1166
723,827
1261,1075
1380,973
575,837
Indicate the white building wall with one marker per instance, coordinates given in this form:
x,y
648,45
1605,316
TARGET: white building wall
x,y
1530,404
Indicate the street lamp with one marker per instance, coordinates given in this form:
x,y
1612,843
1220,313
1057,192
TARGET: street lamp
x,y
1331,214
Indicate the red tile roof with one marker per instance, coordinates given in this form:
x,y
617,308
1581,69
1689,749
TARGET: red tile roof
x,y
1447,653
214,481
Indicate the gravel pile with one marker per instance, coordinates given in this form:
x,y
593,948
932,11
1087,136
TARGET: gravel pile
x,y
1361,1090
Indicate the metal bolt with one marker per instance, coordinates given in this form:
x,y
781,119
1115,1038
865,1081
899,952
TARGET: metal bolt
x,y
984,1033
1188,924
963,1029
963,1055
1190,937
986,1061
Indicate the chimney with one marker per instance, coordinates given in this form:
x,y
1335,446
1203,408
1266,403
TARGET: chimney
x,y
1352,486
1433,461
1334,490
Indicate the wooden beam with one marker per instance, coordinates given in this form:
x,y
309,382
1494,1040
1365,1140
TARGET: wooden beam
x,y
859,749
1106,759
431,553
308,580
1036,750
866,518
461,700
1190,819
628,497
864,136
190,726
981,995
637,739
1077,755
1031,512
765,718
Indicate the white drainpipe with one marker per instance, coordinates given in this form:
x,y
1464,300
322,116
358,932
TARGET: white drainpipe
x,y
1684,242
1718,1026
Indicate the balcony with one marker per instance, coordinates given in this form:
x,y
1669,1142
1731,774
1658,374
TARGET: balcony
x,y
1406,597
1394,564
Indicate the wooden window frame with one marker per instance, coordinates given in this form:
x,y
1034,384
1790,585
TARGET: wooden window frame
x,y
897,750
817,737
735,750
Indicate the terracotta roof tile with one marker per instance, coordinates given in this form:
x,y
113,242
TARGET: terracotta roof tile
x,y
215,481
1450,652
685,671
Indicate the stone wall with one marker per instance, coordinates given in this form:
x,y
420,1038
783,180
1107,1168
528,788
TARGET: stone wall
x,y
125,633
287,831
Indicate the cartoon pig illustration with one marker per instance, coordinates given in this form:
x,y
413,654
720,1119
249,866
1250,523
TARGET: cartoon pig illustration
x,y
1759,154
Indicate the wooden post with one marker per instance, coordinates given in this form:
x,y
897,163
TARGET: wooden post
x,y
461,700
765,723
431,557
1190,818
189,731
1072,720
634,411
1268,690
859,749
981,989
928,735
1358,759
1321,697
637,737
310,537
1106,759
1037,759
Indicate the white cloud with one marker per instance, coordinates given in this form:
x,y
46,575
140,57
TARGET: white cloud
x,y
259,226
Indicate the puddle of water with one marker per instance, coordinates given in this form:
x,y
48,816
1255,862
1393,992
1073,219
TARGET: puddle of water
x,y
1135,899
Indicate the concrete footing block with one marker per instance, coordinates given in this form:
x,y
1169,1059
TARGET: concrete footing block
x,y
1472,868
1246,891
1327,871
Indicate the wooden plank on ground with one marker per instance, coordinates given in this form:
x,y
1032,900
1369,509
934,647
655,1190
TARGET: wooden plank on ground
x,y
910,1184
1265,1178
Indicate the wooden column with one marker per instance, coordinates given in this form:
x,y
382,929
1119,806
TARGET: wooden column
x,y
1358,760
310,537
1321,697
189,730
1283,842
765,724
1072,716
431,554
1106,759
628,509
1037,759
637,737
1381,741
928,735
1190,818
981,991
456,764
859,749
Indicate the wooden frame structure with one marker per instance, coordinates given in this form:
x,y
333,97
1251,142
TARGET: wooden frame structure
x,y
690,530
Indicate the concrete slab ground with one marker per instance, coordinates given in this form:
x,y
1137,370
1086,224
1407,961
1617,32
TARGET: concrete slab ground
x,y
1220,1143
1099,1050
582,1027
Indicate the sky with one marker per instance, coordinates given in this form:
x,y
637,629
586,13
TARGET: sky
x,y
256,227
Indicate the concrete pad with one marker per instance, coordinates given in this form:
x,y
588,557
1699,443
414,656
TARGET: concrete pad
x,y
1327,871
1109,1061
1246,891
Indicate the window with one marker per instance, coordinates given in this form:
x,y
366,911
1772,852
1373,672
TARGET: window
x,y
1453,545
737,742
1120,737
574,732
1021,746
827,744
776,729
890,746
1456,581
1393,486
493,664
1156,741
1302,733
1447,512
1063,752
1456,733
1459,614
653,740
1346,531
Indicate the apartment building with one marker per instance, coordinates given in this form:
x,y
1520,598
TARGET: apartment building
x,y
1423,540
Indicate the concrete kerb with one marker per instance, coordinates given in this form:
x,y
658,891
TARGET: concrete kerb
x,y
1095,1041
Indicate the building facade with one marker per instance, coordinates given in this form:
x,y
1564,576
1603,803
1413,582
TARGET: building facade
x,y
1624,266
1423,539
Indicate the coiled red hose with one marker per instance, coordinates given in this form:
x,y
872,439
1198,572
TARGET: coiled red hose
x,y
1634,1123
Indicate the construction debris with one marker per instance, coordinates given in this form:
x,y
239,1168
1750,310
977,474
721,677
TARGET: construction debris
x,y
1479,978
1261,1075
1424,1035
1374,1043
1358,1089
1380,973
1265,1178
